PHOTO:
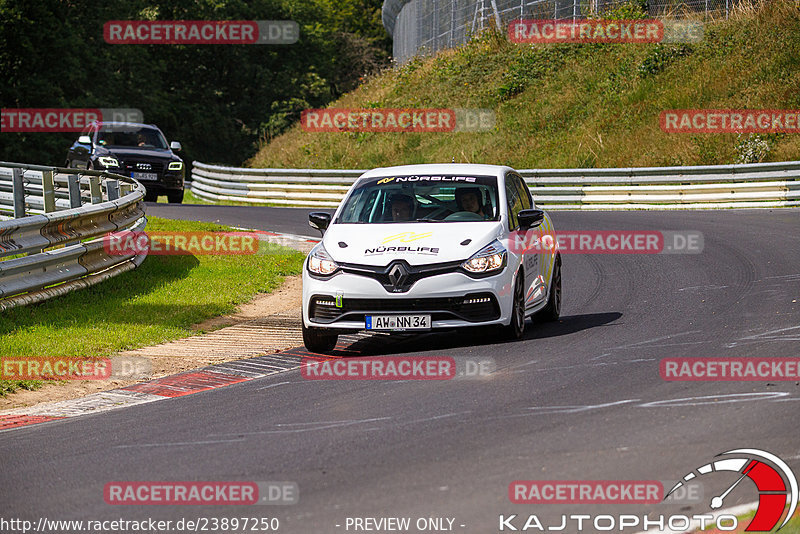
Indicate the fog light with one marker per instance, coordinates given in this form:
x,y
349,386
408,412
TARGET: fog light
x,y
476,300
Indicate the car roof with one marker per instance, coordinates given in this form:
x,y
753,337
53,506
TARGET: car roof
x,y
470,169
125,124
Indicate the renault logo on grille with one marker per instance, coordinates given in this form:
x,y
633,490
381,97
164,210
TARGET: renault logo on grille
x,y
397,275
144,166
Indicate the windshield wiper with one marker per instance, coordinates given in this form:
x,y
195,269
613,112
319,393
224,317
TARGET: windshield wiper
x,y
429,220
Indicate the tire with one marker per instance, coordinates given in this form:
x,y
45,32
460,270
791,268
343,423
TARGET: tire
x,y
175,197
318,340
552,310
516,327
150,196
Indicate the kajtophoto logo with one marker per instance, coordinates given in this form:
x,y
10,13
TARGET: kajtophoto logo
x,y
776,483
774,480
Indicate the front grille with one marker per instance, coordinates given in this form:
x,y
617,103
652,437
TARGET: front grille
x,y
141,166
474,307
411,273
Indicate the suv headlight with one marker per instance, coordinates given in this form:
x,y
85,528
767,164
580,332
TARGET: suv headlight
x,y
320,262
175,166
108,161
490,258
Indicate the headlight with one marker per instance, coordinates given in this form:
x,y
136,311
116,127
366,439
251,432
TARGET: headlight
x,y
175,165
319,262
490,258
107,161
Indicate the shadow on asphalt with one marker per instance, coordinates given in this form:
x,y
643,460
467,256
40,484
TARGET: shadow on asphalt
x,y
381,344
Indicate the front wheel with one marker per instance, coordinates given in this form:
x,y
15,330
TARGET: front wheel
x,y
175,197
318,340
516,327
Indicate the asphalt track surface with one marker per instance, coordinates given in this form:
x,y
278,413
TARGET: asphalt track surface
x,y
580,399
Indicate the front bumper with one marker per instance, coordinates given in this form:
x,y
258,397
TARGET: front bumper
x,y
167,180
452,299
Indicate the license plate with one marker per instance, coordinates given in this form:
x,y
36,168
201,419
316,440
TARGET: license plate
x,y
144,176
398,322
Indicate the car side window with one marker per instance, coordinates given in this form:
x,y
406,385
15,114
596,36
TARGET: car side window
x,y
524,192
513,202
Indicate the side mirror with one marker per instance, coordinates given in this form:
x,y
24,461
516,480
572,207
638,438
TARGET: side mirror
x,y
175,146
319,220
85,140
530,218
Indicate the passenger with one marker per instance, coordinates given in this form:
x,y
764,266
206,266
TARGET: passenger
x,y
402,207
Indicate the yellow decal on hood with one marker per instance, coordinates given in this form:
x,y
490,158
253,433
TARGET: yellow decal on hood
x,y
406,237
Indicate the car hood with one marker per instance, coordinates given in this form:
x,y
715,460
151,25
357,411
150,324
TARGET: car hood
x,y
416,243
128,153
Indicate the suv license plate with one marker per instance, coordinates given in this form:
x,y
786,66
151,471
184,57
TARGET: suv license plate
x,y
144,176
398,322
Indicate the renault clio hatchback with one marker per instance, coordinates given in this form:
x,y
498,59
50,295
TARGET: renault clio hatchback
x,y
430,247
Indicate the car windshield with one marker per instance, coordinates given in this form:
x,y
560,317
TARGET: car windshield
x,y
423,198
131,136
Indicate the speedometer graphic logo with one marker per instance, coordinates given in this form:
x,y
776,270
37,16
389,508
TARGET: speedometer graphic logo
x,y
777,485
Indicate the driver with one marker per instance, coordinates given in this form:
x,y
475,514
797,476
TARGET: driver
x,y
469,199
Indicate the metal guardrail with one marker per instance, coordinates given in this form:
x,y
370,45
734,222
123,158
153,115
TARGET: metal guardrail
x,y
653,188
57,236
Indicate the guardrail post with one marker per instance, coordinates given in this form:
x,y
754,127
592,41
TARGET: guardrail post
x,y
74,185
94,190
18,188
112,189
48,192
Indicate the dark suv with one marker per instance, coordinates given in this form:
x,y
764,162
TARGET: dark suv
x,y
136,150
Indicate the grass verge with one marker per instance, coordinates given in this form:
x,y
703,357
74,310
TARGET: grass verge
x,y
576,105
155,303
191,198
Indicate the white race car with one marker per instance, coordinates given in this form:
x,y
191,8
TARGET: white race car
x,y
427,247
